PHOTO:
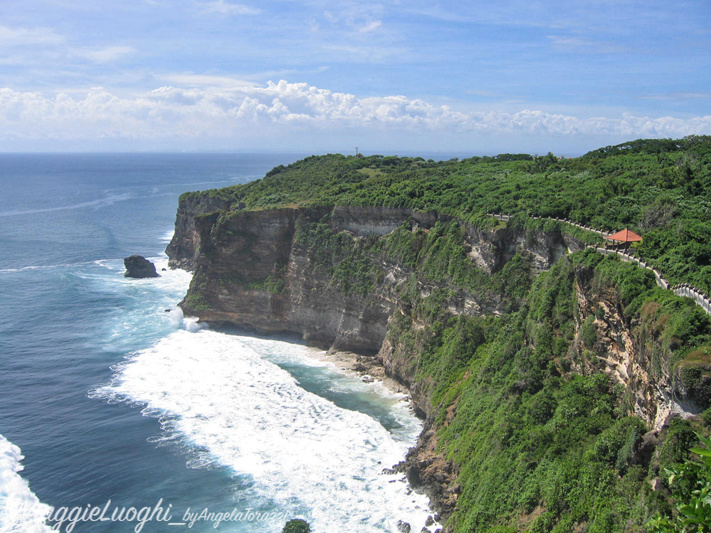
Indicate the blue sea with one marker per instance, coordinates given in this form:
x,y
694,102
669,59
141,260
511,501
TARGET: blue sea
x,y
118,413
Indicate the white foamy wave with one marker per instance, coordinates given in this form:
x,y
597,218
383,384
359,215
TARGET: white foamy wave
x,y
27,268
245,412
167,236
20,510
188,323
40,267
341,381
146,306
101,202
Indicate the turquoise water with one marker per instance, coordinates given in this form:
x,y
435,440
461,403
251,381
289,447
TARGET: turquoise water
x,y
108,401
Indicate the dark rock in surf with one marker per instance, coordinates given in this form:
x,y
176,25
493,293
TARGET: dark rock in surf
x,y
139,267
403,527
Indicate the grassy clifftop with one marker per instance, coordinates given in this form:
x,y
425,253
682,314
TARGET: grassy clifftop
x,y
659,188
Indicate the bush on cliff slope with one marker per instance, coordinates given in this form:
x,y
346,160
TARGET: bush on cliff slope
x,y
540,447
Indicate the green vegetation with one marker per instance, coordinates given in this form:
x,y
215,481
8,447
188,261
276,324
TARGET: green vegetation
x,y
690,485
297,526
197,302
541,447
437,254
345,260
544,436
659,188
269,284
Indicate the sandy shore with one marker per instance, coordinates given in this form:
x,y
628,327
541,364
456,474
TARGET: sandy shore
x,y
367,368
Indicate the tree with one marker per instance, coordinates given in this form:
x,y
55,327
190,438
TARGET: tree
x,y
297,526
690,484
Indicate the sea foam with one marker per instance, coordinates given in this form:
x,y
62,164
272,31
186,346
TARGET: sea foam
x,y
218,394
109,199
20,509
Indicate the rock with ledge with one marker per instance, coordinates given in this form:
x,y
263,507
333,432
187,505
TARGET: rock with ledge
x,y
139,267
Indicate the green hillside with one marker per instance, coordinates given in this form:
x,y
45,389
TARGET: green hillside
x,y
658,188
544,436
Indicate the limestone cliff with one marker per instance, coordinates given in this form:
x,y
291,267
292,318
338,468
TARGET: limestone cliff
x,y
632,352
185,244
253,270
336,277
258,270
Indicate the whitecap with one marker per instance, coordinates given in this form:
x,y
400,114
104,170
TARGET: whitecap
x,y
167,236
20,509
35,267
101,202
221,397
188,323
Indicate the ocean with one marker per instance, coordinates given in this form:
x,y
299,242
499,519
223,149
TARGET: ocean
x,y
118,413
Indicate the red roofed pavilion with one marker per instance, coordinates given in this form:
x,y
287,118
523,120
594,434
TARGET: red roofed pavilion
x,y
624,236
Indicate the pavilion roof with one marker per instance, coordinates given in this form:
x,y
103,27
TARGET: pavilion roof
x,y
624,236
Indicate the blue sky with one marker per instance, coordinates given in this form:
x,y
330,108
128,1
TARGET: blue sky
x,y
471,76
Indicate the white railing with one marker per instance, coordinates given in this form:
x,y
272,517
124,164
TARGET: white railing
x,y
664,284
688,291
683,289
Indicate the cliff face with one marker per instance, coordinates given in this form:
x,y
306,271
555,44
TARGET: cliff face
x,y
632,352
261,270
185,244
345,278
252,273
254,269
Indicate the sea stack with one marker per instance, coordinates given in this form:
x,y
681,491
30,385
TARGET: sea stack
x,y
139,267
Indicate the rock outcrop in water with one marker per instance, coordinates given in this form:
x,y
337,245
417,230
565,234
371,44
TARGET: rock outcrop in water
x,y
139,267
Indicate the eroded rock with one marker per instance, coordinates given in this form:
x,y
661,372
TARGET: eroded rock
x,y
139,267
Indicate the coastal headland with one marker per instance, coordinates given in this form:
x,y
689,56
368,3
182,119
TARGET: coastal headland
x,y
557,384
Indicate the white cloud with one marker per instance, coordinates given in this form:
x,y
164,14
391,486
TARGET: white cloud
x,y
370,26
107,54
359,19
202,80
292,111
10,37
225,8
580,45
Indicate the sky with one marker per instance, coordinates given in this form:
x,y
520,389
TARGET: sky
x,y
389,76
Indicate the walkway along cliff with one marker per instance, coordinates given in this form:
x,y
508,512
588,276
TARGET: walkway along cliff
x,y
680,289
541,375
